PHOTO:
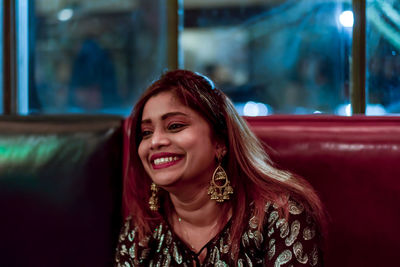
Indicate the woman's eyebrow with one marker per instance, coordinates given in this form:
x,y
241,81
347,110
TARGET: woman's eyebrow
x,y
166,116
171,114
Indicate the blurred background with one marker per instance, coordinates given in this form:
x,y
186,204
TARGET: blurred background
x,y
269,56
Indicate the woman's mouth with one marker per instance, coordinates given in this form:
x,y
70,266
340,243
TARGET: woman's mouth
x,y
164,162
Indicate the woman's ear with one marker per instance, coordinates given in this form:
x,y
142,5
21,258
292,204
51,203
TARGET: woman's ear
x,y
220,151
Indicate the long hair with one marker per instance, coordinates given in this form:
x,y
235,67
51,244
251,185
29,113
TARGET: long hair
x,y
253,176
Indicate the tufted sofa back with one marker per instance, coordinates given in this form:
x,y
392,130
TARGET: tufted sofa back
x,y
60,184
60,190
354,164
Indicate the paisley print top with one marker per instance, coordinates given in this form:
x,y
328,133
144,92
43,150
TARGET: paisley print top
x,y
292,242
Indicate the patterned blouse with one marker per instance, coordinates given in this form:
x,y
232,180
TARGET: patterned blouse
x,y
292,242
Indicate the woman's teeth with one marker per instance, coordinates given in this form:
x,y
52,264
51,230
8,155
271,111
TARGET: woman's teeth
x,y
164,160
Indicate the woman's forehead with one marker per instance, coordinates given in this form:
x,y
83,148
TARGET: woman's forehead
x,y
165,103
163,98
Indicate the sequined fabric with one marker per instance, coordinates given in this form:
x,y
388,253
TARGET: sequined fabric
x,y
292,242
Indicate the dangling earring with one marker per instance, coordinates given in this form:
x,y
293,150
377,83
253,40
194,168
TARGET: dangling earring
x,y
220,193
153,201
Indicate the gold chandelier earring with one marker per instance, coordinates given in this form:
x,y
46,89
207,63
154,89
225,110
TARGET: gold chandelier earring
x,y
220,187
153,201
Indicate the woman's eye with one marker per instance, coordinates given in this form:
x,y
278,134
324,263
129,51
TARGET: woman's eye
x,y
175,126
146,133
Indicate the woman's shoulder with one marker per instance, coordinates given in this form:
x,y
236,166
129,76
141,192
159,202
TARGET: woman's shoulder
x,y
294,215
291,234
286,208
130,233
131,248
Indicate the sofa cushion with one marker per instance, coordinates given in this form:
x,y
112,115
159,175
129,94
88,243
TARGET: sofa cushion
x,y
60,190
354,164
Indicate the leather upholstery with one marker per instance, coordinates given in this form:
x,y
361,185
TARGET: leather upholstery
x,y
60,185
354,164
60,190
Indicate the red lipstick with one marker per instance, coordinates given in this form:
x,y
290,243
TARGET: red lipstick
x,y
164,160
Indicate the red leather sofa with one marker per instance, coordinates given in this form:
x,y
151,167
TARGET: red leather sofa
x,y
60,185
60,190
354,164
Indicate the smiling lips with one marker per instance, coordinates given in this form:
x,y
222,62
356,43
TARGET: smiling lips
x,y
164,160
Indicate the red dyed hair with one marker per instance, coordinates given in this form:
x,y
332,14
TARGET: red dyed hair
x,y
251,172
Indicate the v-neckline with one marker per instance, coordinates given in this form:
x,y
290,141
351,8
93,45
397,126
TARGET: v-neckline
x,y
186,247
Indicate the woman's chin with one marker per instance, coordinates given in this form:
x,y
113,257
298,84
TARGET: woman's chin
x,y
166,182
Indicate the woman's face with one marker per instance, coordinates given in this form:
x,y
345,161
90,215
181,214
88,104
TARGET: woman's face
x,y
177,147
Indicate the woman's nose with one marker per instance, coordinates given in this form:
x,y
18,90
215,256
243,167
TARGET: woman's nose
x,y
159,139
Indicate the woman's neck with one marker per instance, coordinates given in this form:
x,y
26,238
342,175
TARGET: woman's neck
x,y
197,209
196,220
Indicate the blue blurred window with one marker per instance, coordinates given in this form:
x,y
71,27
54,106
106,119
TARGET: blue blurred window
x,y
91,56
1,57
269,56
383,57
272,57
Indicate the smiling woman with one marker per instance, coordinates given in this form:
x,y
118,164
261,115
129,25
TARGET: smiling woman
x,y
201,191
176,145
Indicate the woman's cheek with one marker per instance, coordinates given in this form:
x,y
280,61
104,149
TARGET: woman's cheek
x,y
142,153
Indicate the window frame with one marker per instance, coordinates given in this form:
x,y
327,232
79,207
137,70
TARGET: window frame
x,y
9,59
174,18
